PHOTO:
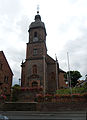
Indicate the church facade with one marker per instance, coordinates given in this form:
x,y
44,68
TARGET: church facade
x,y
39,69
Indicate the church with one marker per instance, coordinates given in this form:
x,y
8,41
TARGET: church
x,y
39,69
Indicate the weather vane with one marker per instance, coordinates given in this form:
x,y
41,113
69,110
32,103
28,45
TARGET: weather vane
x,y
37,9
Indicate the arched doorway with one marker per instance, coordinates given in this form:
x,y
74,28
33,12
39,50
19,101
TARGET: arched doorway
x,y
34,84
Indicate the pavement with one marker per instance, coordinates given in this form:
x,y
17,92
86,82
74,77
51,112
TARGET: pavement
x,y
37,115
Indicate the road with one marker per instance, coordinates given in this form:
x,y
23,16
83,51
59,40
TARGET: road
x,y
31,115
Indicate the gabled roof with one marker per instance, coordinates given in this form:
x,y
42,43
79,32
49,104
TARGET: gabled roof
x,y
2,54
60,70
50,60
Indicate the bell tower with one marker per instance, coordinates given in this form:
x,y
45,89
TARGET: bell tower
x,y
36,47
39,69
35,64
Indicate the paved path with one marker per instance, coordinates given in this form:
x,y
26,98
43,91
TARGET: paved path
x,y
31,115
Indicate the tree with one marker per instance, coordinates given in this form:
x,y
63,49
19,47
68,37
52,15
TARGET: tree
x,y
74,76
16,86
15,92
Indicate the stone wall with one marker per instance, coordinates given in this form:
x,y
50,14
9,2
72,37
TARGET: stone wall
x,y
34,106
18,106
73,106
63,105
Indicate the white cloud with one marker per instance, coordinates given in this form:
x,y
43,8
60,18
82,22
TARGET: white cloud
x,y
66,25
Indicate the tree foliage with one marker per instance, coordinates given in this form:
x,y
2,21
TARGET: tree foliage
x,y
74,76
16,86
15,92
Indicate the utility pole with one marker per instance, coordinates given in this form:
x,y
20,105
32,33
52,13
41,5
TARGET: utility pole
x,y
69,77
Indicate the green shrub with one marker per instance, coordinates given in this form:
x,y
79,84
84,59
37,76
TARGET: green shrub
x,y
75,90
63,91
15,93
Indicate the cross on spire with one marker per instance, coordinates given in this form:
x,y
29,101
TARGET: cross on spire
x,y
37,9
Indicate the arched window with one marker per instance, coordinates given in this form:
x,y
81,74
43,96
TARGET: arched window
x,y
52,76
6,79
5,89
0,66
35,51
34,69
35,34
35,39
34,84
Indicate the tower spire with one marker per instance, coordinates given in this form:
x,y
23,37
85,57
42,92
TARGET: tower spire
x,y
37,9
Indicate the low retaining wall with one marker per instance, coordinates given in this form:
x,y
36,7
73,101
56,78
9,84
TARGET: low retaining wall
x,y
72,106
65,103
19,106
44,106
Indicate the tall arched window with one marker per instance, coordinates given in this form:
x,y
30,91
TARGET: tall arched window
x,y
52,76
0,66
34,69
35,34
35,39
34,84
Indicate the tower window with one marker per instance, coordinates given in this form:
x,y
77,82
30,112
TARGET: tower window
x,y
35,34
6,79
35,37
34,51
34,69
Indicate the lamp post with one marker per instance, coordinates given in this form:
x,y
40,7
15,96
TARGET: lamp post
x,y
19,81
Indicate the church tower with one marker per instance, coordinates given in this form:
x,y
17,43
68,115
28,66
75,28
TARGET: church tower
x,y
36,47
39,69
34,68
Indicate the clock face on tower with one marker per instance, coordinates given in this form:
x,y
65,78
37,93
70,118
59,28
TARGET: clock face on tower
x,y
35,39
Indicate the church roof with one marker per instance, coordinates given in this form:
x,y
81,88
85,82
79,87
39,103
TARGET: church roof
x,y
3,58
50,60
62,70
37,23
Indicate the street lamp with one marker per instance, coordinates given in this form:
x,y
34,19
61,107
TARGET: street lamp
x,y
19,81
86,77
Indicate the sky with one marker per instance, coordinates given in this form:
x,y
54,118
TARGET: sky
x,y
66,26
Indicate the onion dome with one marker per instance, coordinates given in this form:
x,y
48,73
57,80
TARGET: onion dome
x,y
37,23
